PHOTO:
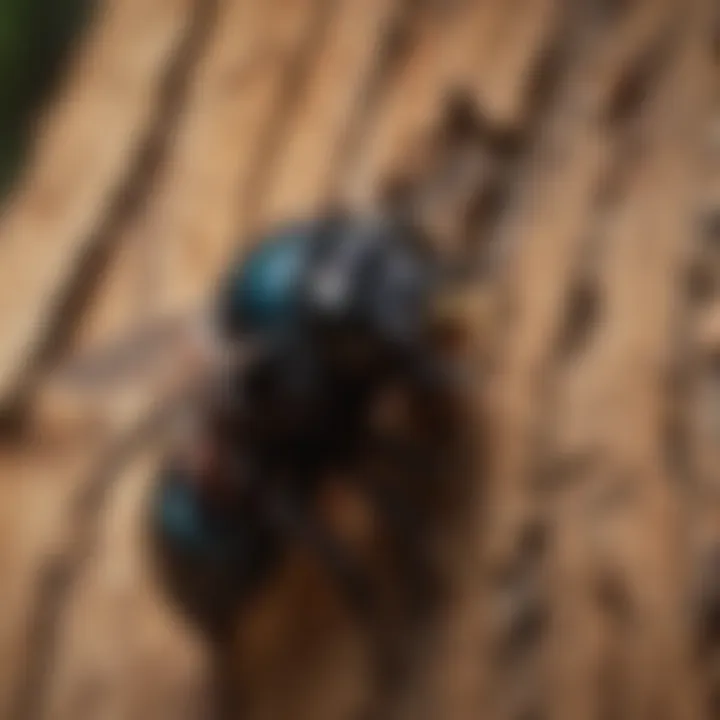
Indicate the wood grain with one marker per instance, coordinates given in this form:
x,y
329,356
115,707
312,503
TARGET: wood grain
x,y
84,153
569,149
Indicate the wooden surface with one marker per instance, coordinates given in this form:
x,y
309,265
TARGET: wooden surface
x,y
585,580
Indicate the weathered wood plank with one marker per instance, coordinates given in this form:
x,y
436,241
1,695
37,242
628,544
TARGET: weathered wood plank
x,y
636,544
580,642
412,102
502,71
120,651
560,189
338,87
84,154
587,542
199,200
696,407
191,220
36,486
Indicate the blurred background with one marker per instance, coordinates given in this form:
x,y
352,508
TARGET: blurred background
x,y
568,150
37,38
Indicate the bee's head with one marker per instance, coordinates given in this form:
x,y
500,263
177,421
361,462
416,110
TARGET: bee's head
x,y
260,293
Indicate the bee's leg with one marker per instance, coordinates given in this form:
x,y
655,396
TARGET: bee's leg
x,y
295,520
401,636
343,567
396,624
403,519
224,699
437,378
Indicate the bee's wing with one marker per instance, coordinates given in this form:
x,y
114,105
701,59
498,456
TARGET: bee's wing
x,y
147,352
121,380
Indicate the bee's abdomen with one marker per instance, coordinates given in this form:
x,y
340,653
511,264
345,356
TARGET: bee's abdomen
x,y
209,561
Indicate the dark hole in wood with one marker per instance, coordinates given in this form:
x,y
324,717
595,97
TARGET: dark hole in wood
x,y
614,598
610,12
398,42
700,283
583,316
484,215
710,228
466,121
534,541
531,713
637,83
715,37
462,118
708,603
609,697
14,423
546,75
525,627
565,469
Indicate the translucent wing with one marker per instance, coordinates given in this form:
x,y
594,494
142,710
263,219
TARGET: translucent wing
x,y
140,355
182,361
185,351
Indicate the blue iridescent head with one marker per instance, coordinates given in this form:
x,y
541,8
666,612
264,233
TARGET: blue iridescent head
x,y
261,292
337,271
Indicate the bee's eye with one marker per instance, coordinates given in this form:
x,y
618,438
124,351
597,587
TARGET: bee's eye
x,y
260,294
178,515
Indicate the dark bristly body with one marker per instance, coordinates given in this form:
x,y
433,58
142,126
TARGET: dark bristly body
x,y
337,312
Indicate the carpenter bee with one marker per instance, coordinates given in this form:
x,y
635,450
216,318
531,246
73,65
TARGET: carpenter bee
x,y
318,324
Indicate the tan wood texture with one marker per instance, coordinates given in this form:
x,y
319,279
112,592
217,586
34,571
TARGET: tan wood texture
x,y
570,150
